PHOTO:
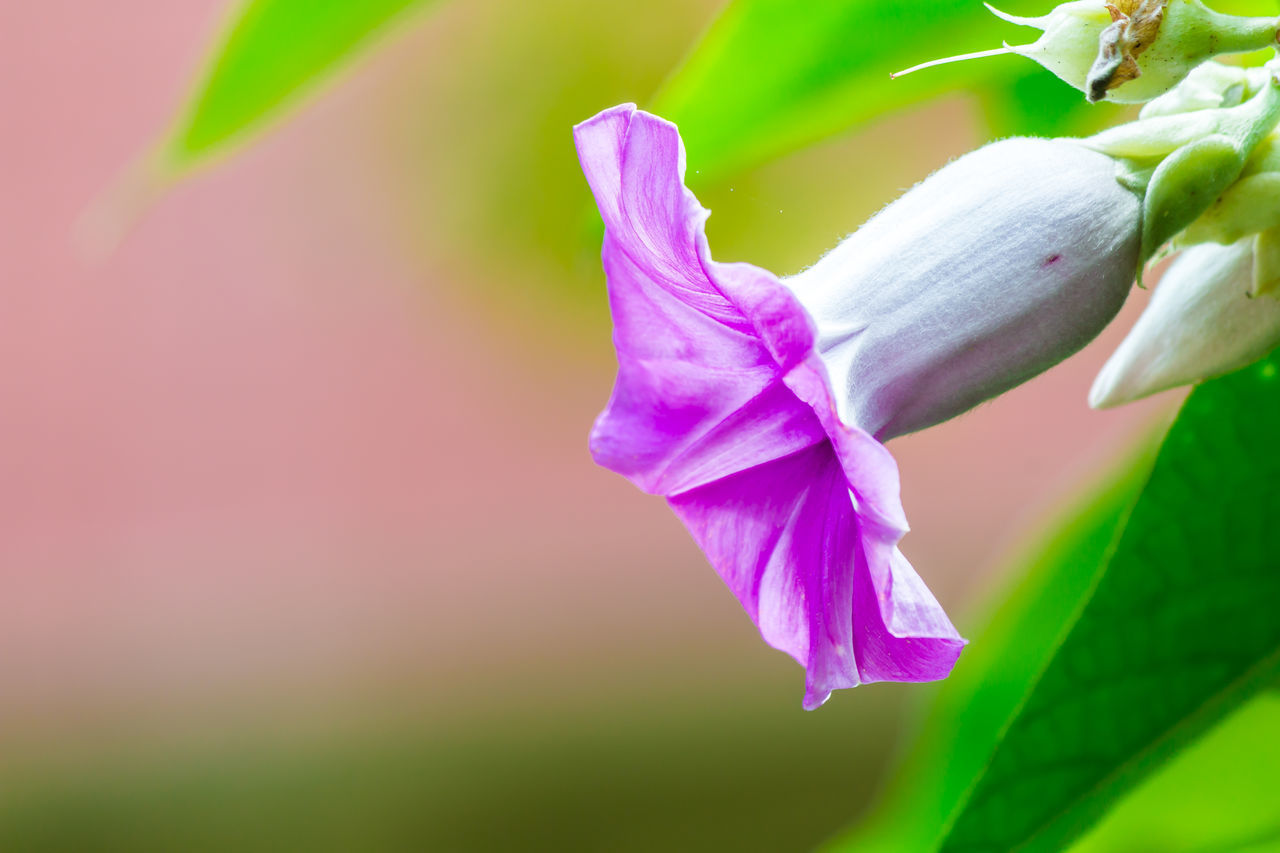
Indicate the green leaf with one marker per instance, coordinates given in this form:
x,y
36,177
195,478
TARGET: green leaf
x,y
1220,794
771,76
272,53
971,707
1180,629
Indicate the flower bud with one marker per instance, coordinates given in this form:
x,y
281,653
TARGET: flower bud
x,y
1211,85
1201,322
1130,51
1069,44
1151,45
990,271
1183,163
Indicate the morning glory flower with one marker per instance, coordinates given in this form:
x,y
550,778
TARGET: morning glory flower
x,y
757,405
722,405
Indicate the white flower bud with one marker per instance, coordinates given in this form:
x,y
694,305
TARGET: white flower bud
x,y
1201,322
990,271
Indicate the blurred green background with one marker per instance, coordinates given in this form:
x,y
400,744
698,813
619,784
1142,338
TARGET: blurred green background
x,y
300,545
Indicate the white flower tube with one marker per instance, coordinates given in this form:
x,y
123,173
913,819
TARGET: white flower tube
x,y
991,270
1201,322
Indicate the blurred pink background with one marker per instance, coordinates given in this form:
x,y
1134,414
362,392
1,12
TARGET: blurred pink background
x,y
315,434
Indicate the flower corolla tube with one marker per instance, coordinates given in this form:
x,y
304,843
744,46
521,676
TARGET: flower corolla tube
x,y
758,405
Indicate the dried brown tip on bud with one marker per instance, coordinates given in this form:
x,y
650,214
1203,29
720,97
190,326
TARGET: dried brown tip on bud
x,y
1135,24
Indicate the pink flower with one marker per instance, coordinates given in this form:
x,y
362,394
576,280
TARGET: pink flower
x,y
723,406
724,402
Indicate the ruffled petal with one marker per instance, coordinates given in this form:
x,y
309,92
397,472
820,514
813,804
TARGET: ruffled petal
x,y
903,634
783,537
699,393
722,405
820,583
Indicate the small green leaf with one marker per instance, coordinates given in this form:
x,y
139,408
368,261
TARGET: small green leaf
x,y
273,51
970,708
771,76
1180,630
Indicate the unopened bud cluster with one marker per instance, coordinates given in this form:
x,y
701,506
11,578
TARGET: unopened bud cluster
x,y
1203,159
1212,311
1130,51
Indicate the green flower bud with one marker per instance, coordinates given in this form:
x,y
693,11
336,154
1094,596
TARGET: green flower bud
x,y
1151,45
1069,45
1130,51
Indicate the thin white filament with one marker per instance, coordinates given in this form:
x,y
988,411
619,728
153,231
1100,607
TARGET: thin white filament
x,y
981,54
1038,23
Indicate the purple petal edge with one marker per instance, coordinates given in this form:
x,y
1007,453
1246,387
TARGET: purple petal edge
x,y
723,406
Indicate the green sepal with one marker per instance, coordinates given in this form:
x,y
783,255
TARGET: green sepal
x,y
1187,160
1186,183
1250,205
1159,136
1246,124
